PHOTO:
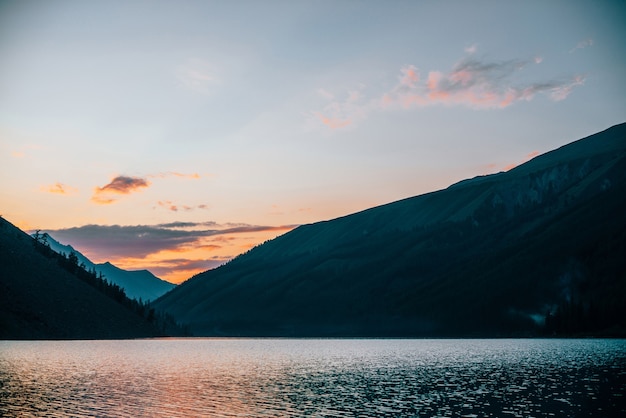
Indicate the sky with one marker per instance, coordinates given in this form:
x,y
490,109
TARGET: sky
x,y
174,135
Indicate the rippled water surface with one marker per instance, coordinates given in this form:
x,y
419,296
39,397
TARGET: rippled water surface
x,y
334,378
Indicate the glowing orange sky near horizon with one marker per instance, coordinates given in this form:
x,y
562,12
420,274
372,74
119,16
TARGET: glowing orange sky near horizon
x,y
129,116
198,258
180,262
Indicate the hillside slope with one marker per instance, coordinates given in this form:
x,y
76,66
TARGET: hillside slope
x,y
490,256
39,299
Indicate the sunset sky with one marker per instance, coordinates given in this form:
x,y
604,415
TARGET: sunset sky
x,y
174,135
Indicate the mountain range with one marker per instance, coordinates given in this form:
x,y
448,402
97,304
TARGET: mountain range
x,y
47,296
536,250
137,284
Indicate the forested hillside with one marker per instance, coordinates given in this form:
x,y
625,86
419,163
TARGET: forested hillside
x,y
538,250
44,295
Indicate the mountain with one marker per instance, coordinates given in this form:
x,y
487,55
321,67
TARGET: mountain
x,y
137,284
537,249
46,296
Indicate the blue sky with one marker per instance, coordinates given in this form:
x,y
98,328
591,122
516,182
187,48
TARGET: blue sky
x,y
262,115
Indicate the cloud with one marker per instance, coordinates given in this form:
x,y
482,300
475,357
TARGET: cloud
x,y
342,113
178,266
476,84
175,174
59,188
198,76
333,122
169,205
581,45
25,151
471,49
106,242
188,224
123,185
325,94
120,185
561,91
102,200
409,76
473,82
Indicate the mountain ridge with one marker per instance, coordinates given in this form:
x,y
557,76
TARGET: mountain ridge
x,y
391,270
46,296
137,284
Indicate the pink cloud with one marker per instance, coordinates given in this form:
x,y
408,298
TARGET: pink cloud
x,y
333,123
410,76
338,113
476,84
472,82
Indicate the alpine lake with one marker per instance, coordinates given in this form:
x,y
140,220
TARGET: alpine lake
x,y
210,377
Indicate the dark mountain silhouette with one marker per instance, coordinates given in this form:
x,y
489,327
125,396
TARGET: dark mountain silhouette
x,y
537,249
46,296
137,284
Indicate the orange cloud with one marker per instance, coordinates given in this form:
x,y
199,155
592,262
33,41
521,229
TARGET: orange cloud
x,y
123,185
209,247
25,151
175,174
118,185
173,251
59,188
169,205
102,200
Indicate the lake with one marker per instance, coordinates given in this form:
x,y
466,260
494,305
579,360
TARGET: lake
x,y
314,377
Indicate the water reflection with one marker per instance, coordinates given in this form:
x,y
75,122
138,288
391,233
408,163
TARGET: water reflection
x,y
330,378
